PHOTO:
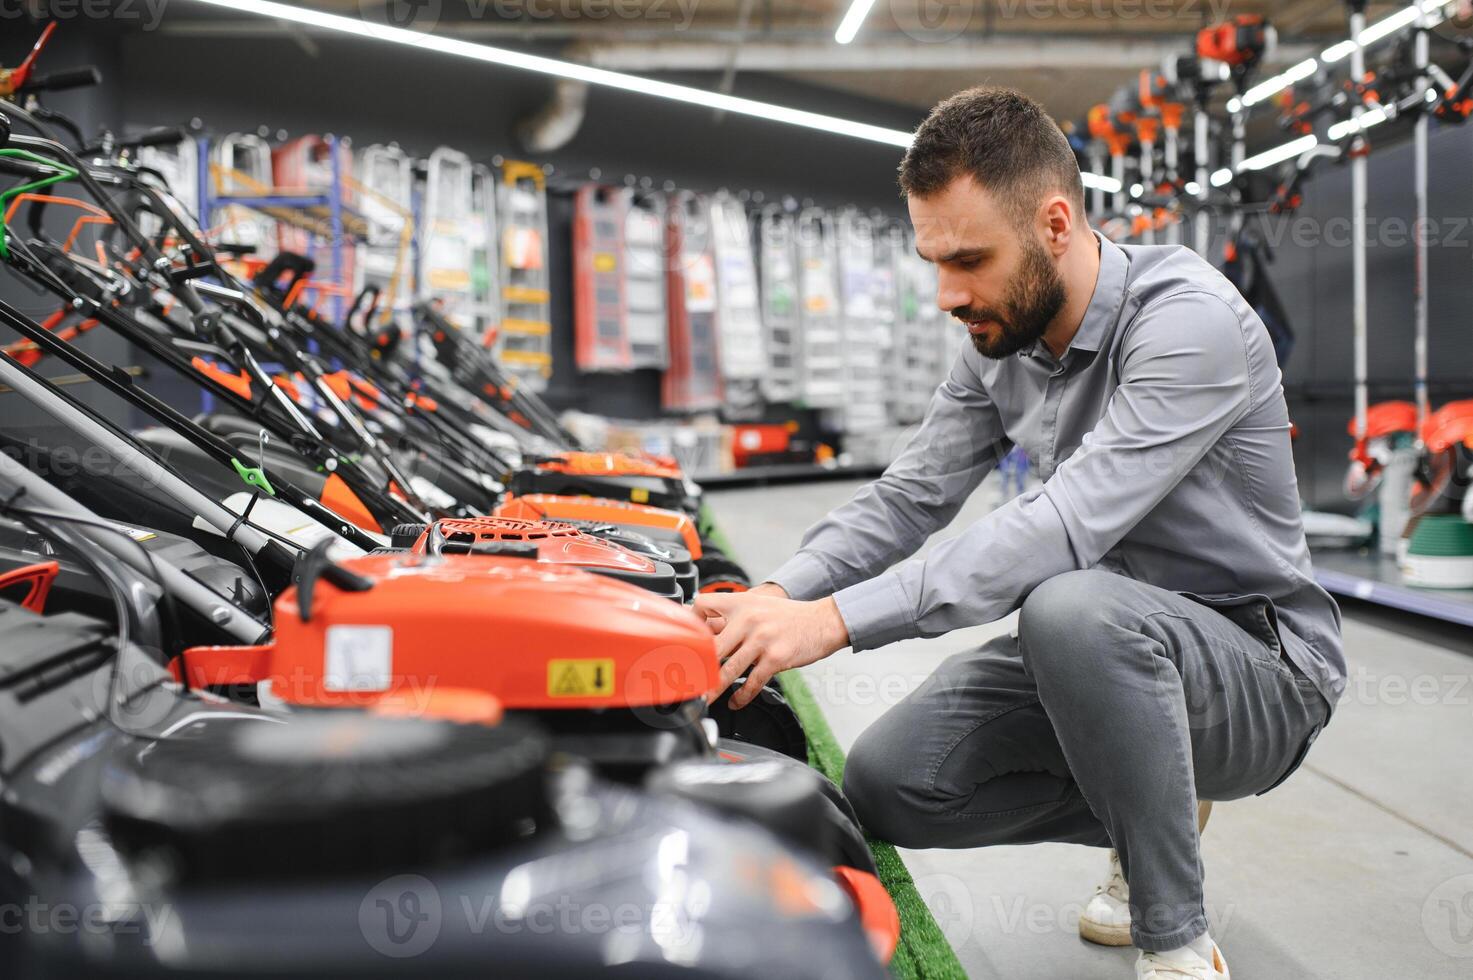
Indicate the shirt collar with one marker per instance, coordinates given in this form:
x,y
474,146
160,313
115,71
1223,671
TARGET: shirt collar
x,y
1104,305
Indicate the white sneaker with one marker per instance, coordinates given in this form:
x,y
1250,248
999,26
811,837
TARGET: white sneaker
x,y
1181,965
1106,917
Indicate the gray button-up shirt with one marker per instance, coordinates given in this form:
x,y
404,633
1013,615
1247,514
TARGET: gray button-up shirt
x,y
1162,438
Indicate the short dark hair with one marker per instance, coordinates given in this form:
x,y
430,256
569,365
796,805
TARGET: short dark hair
x,y
1004,140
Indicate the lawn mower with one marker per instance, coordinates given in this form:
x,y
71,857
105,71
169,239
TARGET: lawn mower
x,y
186,836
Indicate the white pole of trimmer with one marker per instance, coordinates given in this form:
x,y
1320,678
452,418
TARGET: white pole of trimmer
x,y
1117,170
1239,154
1419,240
1202,225
1096,193
1358,230
1148,151
1171,155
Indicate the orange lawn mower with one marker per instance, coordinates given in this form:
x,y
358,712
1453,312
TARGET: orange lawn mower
x,y
533,620
612,552
639,480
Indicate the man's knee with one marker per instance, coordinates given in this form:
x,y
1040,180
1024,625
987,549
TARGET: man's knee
x,y
879,783
1067,620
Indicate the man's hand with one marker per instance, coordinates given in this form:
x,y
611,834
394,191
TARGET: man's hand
x,y
761,632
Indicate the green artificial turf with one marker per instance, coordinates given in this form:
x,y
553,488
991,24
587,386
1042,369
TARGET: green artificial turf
x,y
923,952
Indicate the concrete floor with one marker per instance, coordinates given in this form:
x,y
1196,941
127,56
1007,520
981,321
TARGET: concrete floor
x,y
1360,866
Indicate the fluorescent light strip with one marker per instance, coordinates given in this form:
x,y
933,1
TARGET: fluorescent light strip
x,y
1263,90
1345,127
853,20
1383,28
593,76
566,69
1280,153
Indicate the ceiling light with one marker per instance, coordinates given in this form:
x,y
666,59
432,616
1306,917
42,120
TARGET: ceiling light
x,y
1280,153
1220,177
565,69
1263,90
587,73
1365,121
853,20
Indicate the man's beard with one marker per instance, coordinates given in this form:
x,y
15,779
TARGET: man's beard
x,y
1034,298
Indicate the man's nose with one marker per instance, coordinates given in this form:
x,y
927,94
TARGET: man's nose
x,y
951,293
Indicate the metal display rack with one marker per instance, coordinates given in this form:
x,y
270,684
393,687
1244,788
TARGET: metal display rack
x,y
321,213
1371,577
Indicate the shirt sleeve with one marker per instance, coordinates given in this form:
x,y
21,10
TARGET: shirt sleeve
x,y
958,443
1184,381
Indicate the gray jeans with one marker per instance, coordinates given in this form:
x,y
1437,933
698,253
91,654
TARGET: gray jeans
x,y
1117,706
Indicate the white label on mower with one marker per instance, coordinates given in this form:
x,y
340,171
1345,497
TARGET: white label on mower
x,y
359,658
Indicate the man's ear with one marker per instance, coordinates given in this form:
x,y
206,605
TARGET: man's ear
x,y
1059,222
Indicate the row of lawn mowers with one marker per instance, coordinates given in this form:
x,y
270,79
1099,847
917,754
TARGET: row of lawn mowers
x,y
370,669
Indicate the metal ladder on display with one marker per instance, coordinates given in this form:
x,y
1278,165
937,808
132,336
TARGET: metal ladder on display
x,y
445,259
739,310
889,241
385,186
693,380
240,165
918,348
600,337
821,356
645,301
485,261
777,265
523,343
178,163
862,408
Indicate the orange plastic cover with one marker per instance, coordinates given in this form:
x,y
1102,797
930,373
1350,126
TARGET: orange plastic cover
x,y
339,498
546,506
609,464
238,383
1386,418
533,635
877,911
1448,426
560,544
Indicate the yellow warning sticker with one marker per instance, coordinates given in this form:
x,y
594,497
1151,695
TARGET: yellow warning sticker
x,y
592,678
639,495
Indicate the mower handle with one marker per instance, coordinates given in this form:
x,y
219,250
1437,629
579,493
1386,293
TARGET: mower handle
x,y
56,81
162,136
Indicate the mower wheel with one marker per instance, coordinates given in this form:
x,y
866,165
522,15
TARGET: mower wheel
x,y
768,721
404,535
719,573
329,791
784,796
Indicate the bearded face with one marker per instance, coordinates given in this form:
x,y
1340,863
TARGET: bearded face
x,y
1033,298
